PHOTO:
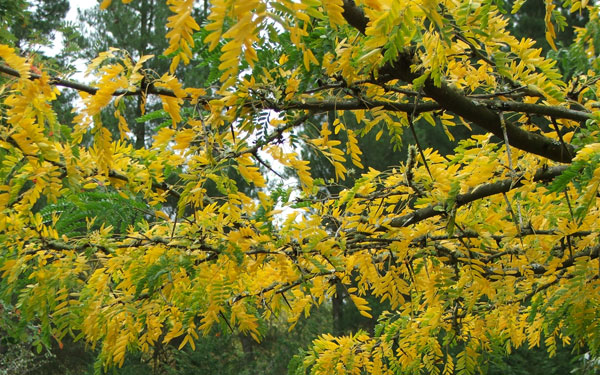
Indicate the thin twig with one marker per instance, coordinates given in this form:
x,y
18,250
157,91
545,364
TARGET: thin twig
x,y
414,132
264,164
560,137
513,174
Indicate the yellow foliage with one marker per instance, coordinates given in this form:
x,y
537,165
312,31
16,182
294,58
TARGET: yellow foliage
x,y
181,28
496,242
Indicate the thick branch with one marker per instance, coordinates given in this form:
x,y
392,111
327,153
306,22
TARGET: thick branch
x,y
538,109
452,100
481,191
489,120
419,241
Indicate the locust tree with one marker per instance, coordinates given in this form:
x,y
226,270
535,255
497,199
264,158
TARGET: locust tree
x,y
491,248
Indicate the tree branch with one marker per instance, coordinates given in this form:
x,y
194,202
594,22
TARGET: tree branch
x,y
454,101
329,104
151,89
357,104
538,109
479,192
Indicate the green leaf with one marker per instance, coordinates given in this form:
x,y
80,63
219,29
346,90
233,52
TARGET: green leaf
x,y
154,115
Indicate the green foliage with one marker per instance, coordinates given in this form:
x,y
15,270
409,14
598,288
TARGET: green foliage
x,y
100,208
574,173
529,361
572,57
26,23
11,12
229,354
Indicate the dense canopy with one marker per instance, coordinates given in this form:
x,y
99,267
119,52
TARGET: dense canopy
x,y
222,223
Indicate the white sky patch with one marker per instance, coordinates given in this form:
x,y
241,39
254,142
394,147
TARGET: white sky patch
x,y
58,42
79,4
76,5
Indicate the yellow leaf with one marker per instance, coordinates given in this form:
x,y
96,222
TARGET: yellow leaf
x,y
162,215
174,63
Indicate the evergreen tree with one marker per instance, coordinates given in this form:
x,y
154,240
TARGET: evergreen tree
x,y
137,28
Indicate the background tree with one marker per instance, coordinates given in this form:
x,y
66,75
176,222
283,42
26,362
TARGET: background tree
x,y
27,23
137,28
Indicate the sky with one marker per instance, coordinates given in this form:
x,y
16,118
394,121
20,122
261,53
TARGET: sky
x,y
58,43
83,4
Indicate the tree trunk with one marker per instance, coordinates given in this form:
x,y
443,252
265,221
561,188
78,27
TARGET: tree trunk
x,y
337,309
